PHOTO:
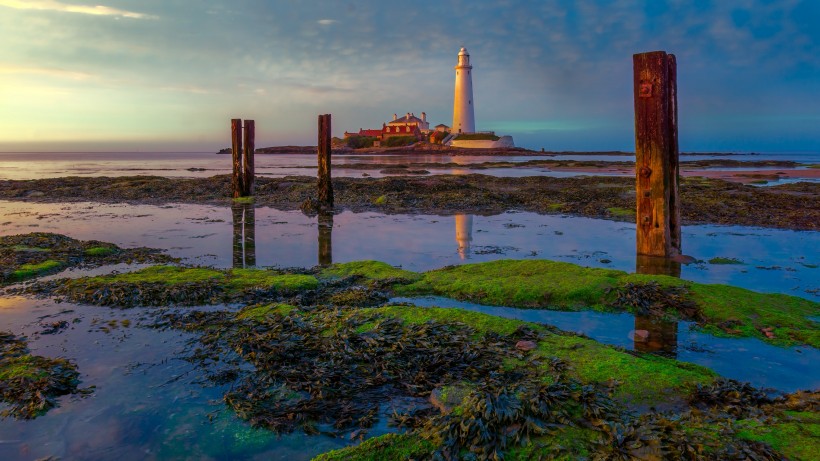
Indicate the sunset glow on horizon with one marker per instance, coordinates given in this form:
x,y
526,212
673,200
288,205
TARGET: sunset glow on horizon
x,y
165,75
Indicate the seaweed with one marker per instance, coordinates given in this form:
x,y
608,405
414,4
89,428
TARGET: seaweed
x,y
30,384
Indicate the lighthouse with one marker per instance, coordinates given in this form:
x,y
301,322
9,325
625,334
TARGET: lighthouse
x,y
463,115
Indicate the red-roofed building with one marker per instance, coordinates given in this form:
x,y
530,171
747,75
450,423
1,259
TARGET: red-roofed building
x,y
367,133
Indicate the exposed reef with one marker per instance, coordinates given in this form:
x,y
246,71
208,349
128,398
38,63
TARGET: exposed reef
x,y
27,256
703,201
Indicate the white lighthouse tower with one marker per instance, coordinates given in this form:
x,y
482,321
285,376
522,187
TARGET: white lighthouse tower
x,y
463,115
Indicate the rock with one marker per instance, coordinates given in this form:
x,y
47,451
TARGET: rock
x,y
445,398
526,345
640,335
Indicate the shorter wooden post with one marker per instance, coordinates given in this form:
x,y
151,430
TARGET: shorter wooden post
x,y
247,159
656,154
236,146
324,186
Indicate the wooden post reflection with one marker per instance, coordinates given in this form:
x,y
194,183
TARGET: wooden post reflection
x,y
657,265
325,239
651,333
244,235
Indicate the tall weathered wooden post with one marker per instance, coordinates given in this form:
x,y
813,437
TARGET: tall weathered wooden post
x,y
242,177
247,159
236,152
656,154
324,186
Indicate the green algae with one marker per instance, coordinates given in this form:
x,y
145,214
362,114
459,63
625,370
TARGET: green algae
x,y
373,270
729,311
530,283
243,200
591,361
735,311
26,256
386,447
621,212
169,275
30,384
32,270
100,251
174,285
723,260
262,313
795,435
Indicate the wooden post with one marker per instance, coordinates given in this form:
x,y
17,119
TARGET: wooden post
x,y
656,154
325,188
247,159
236,176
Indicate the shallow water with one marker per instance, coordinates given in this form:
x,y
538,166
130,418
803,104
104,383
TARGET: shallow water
x,y
147,402
206,164
743,359
772,260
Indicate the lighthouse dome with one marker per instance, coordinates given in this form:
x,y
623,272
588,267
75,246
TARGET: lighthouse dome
x,y
463,52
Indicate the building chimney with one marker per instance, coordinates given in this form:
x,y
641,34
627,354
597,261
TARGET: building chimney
x,y
408,116
395,117
423,117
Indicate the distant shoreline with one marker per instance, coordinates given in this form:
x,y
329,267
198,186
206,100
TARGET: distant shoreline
x,y
433,149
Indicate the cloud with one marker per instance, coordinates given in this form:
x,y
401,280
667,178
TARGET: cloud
x,y
327,22
48,71
53,5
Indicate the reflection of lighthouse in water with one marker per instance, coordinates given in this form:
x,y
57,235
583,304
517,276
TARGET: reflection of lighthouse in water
x,y
464,234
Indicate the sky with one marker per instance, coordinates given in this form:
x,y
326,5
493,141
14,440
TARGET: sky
x,y
168,75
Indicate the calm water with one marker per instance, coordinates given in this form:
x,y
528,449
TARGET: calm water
x,y
773,260
206,164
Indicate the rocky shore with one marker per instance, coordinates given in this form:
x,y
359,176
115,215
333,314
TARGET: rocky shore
x,y
704,201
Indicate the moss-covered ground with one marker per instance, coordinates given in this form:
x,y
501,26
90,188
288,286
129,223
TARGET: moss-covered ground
x,y
175,285
27,256
730,311
30,384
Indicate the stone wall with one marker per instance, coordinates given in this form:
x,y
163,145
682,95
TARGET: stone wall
x,y
504,141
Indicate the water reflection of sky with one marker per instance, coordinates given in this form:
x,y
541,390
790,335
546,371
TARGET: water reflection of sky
x,y
147,402
773,260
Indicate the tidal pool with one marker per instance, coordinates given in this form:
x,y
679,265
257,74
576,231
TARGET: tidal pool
x,y
743,359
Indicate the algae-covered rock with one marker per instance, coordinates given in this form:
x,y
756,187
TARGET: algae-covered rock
x,y
26,256
174,285
720,309
30,384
